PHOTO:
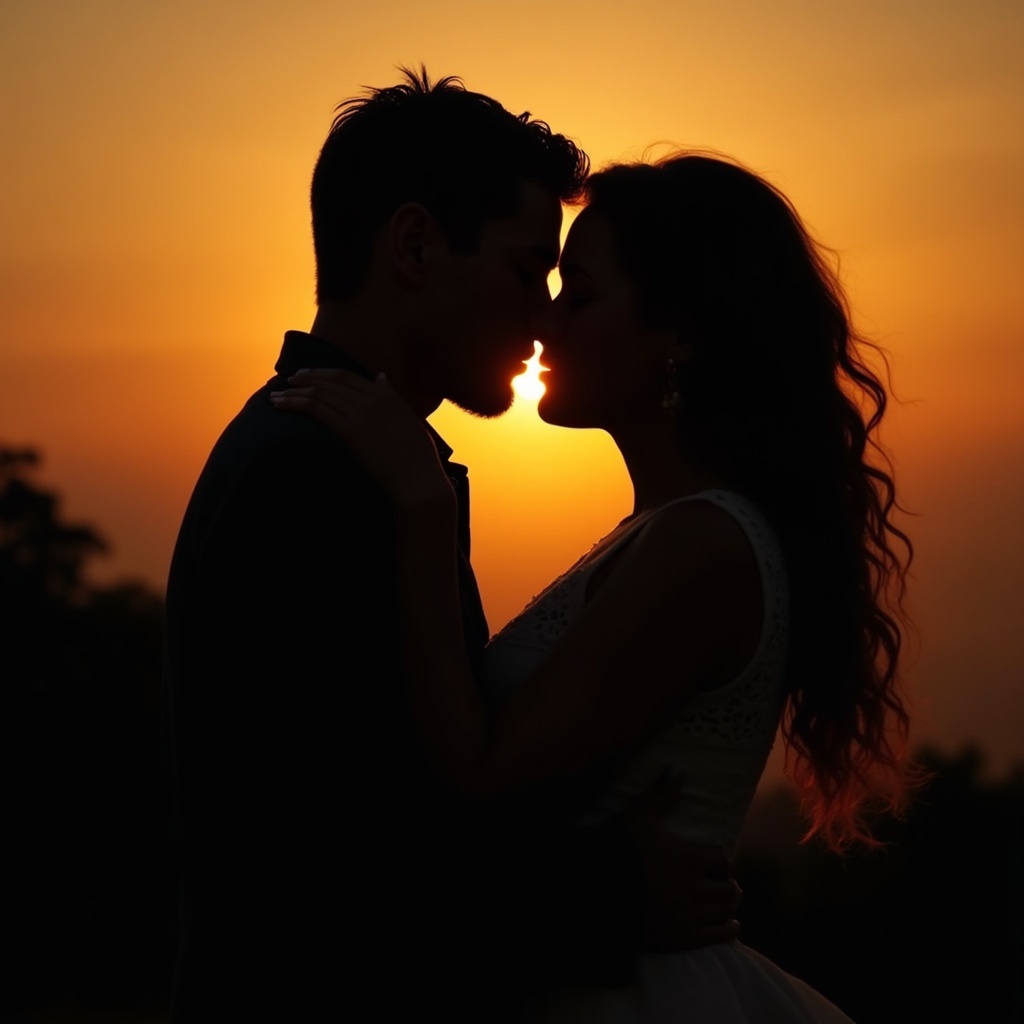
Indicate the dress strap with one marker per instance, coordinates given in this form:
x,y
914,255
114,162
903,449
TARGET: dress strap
x,y
761,537
741,509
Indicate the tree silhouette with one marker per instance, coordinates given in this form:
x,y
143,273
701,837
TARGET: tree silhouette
x,y
41,558
89,893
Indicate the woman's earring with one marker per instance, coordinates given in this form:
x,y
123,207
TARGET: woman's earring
x,y
671,400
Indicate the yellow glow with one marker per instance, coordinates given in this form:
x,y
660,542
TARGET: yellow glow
x,y
528,384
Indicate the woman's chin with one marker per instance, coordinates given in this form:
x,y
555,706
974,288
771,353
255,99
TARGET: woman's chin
x,y
551,411
546,410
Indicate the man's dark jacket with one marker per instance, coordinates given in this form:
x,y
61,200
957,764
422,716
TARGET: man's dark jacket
x,y
324,868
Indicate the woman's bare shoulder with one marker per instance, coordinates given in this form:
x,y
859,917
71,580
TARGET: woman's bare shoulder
x,y
685,544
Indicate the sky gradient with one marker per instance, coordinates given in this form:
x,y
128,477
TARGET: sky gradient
x,y
155,245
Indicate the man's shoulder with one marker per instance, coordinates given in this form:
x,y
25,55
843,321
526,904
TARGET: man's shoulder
x,y
272,465
260,439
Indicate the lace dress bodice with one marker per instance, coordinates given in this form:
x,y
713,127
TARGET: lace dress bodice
x,y
718,740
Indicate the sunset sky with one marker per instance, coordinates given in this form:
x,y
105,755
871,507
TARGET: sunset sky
x,y
155,245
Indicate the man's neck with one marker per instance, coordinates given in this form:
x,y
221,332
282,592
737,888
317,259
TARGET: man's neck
x,y
360,331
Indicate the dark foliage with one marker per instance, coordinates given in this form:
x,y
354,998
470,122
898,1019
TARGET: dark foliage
x,y
89,893
930,928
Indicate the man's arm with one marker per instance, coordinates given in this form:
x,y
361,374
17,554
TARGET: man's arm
x,y
269,741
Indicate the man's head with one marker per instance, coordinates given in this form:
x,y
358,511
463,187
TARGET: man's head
x,y
456,202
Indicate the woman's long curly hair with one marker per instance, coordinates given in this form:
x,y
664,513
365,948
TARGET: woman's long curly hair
x,y
780,399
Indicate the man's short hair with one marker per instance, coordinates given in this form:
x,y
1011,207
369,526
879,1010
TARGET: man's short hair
x,y
459,153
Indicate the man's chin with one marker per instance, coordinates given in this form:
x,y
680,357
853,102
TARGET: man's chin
x,y
486,406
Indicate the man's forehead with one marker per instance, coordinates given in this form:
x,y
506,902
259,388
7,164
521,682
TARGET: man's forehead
x,y
537,222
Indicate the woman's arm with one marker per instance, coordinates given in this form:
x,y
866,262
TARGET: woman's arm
x,y
681,610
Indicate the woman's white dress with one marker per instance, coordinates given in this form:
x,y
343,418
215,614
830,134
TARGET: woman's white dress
x,y
720,740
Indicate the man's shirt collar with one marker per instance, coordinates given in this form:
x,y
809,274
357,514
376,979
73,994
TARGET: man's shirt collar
x,y
306,351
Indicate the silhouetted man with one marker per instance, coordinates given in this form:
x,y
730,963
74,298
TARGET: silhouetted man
x,y
326,871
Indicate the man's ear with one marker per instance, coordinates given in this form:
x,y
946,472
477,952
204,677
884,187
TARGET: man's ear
x,y
412,235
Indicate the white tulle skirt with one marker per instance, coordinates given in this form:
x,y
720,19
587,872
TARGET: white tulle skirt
x,y
721,984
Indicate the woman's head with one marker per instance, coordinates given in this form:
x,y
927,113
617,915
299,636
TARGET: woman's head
x,y
607,361
701,262
697,260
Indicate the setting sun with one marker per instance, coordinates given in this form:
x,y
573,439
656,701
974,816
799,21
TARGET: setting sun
x,y
528,384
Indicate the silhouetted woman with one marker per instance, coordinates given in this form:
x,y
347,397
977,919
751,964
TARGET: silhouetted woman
x,y
757,581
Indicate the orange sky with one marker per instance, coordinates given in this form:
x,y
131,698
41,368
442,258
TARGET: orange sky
x,y
154,246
